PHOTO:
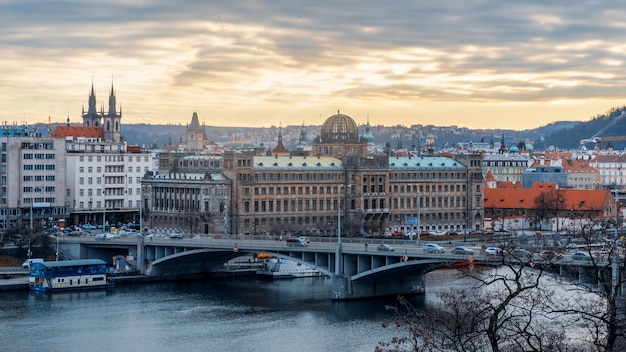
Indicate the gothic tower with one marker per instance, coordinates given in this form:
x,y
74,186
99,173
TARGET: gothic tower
x,y
195,134
111,122
91,117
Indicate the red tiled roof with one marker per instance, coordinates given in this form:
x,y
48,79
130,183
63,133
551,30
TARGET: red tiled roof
x,y
524,198
76,131
609,158
489,177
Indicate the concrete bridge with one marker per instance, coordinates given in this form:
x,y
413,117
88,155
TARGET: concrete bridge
x,y
356,270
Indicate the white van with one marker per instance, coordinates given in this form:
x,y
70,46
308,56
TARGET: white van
x,y
300,241
28,262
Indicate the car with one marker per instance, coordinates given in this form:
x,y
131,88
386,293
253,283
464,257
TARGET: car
x,y
433,248
176,235
581,256
88,227
521,253
385,248
550,254
462,251
492,251
29,262
297,241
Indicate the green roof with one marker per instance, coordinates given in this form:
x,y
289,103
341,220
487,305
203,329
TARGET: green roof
x,y
300,163
426,163
80,262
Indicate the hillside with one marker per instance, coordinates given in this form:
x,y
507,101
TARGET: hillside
x,y
601,125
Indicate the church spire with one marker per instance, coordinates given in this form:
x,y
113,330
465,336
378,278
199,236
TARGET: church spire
x,y
280,148
112,109
91,110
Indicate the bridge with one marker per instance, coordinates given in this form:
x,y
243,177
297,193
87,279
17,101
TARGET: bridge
x,y
356,270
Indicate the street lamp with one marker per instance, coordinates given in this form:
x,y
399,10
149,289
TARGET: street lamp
x,y
104,205
90,207
339,216
338,268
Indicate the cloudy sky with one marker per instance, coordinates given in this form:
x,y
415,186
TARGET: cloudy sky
x,y
477,64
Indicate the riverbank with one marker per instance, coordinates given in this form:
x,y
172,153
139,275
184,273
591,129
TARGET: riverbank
x,y
20,283
14,284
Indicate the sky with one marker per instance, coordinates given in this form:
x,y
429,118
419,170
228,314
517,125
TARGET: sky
x,y
476,63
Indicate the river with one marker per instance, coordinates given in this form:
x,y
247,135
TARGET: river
x,y
245,314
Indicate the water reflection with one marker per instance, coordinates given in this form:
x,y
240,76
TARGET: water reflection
x,y
223,315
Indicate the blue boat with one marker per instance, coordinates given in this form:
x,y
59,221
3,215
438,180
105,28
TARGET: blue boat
x,y
69,275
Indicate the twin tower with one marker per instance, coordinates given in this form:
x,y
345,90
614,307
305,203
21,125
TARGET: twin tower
x,y
110,121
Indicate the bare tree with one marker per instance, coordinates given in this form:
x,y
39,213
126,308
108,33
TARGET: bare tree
x,y
549,204
602,312
506,310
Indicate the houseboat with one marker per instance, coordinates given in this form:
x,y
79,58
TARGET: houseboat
x,y
278,268
69,275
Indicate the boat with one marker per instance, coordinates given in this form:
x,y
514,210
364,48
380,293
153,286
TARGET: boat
x,y
278,268
69,275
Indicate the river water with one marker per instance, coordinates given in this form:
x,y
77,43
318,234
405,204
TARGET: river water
x,y
245,314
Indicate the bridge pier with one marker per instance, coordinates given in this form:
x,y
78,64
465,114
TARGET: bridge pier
x,y
585,276
141,255
344,288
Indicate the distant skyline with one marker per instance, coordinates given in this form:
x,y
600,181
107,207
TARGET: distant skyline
x,y
476,64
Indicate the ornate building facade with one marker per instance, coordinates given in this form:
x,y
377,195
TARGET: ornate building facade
x,y
340,185
344,184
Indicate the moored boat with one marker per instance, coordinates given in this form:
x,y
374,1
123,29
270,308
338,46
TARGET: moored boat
x,y
69,275
278,268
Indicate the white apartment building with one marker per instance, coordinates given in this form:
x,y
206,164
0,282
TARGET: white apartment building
x,y
32,178
103,183
612,169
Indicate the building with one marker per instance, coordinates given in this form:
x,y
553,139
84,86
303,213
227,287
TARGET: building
x,y
550,174
506,166
342,186
192,197
32,177
612,169
545,206
196,134
103,181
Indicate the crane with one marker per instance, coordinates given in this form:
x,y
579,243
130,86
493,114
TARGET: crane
x,y
595,139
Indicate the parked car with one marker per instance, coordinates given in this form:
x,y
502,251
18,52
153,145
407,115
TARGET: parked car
x,y
28,262
385,247
89,227
433,248
462,251
550,254
492,251
521,253
583,256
